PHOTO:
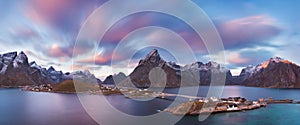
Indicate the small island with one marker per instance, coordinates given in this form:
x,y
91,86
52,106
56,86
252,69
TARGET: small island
x,y
216,105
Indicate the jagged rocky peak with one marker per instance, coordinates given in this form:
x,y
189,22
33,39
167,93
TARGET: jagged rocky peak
x,y
174,65
9,57
254,69
32,63
273,60
248,70
115,79
201,66
22,56
10,54
250,67
51,69
21,59
81,74
84,76
275,72
276,59
153,54
35,67
196,64
140,76
15,70
120,74
213,64
152,58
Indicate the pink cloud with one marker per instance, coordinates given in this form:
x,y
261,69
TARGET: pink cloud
x,y
127,25
57,51
84,67
235,58
248,29
64,14
238,33
102,59
48,10
245,31
97,59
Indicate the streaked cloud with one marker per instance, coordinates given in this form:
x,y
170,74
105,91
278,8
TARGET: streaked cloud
x,y
236,58
248,31
46,30
57,51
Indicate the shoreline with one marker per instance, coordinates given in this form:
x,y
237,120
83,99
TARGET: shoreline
x,y
215,104
137,93
12,87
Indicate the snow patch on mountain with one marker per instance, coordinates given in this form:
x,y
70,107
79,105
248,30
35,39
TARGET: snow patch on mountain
x,y
34,65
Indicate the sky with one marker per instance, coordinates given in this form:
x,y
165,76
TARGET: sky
x,y
252,31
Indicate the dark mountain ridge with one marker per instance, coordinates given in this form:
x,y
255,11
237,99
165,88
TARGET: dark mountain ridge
x,y
273,73
16,71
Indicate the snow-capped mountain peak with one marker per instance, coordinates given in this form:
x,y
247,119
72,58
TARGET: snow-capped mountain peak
x,y
51,69
153,53
173,65
276,59
250,70
9,57
201,66
213,64
20,59
35,65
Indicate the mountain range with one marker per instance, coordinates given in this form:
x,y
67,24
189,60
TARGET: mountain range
x,y
154,71
15,70
273,73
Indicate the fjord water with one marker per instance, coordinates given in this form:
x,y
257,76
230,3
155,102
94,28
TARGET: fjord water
x,y
31,108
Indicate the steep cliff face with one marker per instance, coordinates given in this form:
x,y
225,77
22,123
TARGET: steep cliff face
x,y
274,73
140,76
16,71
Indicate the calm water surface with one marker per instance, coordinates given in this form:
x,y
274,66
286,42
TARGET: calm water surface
x,y
30,108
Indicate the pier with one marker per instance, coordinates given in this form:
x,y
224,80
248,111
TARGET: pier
x,y
164,95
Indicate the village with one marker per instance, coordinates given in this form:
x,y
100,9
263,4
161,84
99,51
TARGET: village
x,y
39,88
216,105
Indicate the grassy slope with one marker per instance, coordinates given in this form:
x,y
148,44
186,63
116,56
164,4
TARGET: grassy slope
x,y
68,86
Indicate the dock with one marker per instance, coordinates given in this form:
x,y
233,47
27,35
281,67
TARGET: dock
x,y
272,101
